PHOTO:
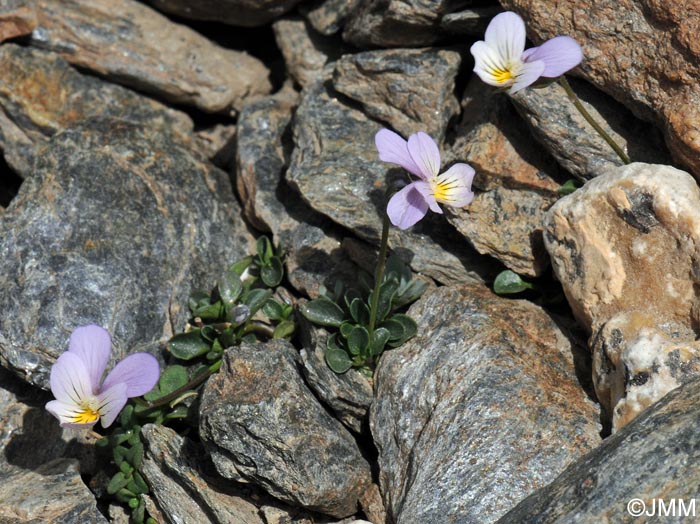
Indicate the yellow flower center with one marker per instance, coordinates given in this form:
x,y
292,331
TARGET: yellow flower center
x,y
86,416
502,75
441,190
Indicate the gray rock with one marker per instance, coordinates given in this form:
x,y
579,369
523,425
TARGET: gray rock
x,y
40,95
218,144
171,468
409,89
477,411
116,227
52,493
17,18
134,45
247,13
335,167
261,424
349,395
328,16
312,246
561,129
654,458
514,182
469,22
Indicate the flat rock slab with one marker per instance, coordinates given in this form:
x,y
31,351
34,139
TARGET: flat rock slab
x,y
336,168
17,18
625,248
261,424
410,89
40,95
53,492
134,45
116,226
644,53
477,411
247,13
654,459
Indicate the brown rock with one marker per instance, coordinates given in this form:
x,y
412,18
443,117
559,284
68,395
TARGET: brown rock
x,y
644,53
247,13
625,248
132,44
17,18
328,16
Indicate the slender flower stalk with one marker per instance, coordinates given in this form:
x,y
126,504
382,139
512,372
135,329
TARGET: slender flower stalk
x,y
82,398
379,275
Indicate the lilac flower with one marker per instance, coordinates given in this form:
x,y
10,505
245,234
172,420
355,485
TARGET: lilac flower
x,y
81,397
421,157
501,60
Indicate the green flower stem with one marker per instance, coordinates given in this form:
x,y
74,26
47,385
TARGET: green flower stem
x,y
196,381
572,96
258,327
379,275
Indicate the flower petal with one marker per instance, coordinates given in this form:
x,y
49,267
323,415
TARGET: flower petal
x,y
426,190
394,149
111,402
559,54
425,153
528,74
454,186
407,207
506,35
139,372
490,67
69,380
92,344
66,413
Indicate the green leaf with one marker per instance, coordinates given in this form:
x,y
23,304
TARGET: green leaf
x,y
179,412
508,282
187,346
213,311
124,495
255,299
359,311
264,249
358,341
250,338
126,416
401,328
241,265
397,269
139,513
323,311
228,337
410,293
273,310
386,294
337,359
283,329
198,299
126,468
172,378
230,287
135,455
380,337
120,454
346,328
271,274
238,314
117,482
568,187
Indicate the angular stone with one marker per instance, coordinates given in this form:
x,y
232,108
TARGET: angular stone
x,y
313,257
218,144
469,22
134,45
328,16
643,53
625,248
305,52
514,182
478,410
52,492
348,395
654,458
261,424
40,95
336,169
116,226
183,492
559,127
410,89
247,13
17,18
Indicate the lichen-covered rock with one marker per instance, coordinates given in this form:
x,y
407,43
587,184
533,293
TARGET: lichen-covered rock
x,y
653,459
52,492
132,44
335,167
261,424
560,127
184,494
40,95
116,226
247,13
514,182
17,18
477,411
645,53
410,89
625,248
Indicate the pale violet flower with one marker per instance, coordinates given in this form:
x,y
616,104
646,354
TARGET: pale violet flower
x,y
420,156
501,59
82,398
